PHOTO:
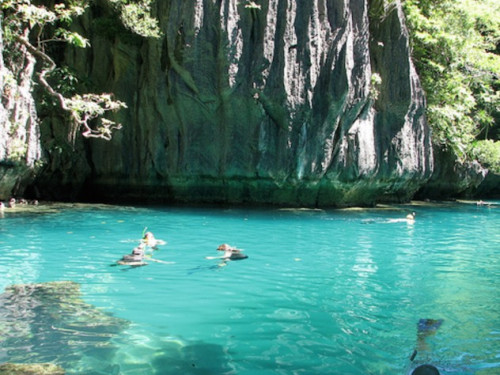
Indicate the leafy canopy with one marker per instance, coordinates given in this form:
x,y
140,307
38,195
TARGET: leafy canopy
x,y
456,51
31,28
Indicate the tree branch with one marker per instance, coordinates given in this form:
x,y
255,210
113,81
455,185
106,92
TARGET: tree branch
x,y
82,109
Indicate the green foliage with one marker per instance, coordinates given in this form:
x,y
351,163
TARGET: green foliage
x,y
85,108
375,83
29,27
252,5
455,45
488,153
18,150
22,15
136,16
64,80
72,38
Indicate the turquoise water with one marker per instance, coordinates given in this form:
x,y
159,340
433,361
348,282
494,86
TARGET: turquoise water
x,y
322,292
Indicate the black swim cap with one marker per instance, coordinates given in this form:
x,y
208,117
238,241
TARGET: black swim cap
x,y
425,370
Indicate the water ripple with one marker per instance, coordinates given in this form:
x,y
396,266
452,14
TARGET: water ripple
x,y
321,292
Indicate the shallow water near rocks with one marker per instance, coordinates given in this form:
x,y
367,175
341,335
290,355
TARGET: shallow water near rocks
x,y
322,291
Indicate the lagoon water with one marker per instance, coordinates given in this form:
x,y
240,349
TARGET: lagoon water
x,y
322,292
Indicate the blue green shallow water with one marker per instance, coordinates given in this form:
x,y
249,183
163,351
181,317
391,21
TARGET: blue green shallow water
x,y
322,292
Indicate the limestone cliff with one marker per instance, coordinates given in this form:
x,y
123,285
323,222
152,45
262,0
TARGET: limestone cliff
x,y
20,147
282,101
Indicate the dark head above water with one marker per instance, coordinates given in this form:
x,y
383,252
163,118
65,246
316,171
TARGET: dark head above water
x,y
425,370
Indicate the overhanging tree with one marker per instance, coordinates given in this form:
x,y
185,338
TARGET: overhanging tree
x,y
29,28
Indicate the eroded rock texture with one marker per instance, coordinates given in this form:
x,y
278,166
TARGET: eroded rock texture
x,y
287,102
19,132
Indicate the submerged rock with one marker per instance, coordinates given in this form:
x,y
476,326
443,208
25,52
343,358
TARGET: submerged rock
x,y
31,369
54,322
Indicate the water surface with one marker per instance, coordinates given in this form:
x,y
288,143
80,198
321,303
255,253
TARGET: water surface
x,y
322,292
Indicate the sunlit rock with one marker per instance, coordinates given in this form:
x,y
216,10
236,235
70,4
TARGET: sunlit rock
x,y
298,103
31,369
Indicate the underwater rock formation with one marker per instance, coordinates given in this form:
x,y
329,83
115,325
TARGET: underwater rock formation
x,y
285,102
54,322
31,369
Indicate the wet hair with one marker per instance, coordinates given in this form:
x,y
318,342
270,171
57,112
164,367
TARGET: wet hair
x,y
425,370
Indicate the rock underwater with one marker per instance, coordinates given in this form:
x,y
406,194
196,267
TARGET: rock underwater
x,y
55,324
30,369
285,102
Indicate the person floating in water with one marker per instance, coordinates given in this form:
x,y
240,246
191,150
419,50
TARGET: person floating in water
x,y
150,241
410,217
425,328
230,253
136,258
139,253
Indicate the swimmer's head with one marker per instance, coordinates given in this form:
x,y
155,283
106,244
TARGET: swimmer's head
x,y
224,247
411,216
425,370
148,235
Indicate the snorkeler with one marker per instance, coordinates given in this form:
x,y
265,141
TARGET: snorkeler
x,y
230,253
136,258
425,328
149,240
140,253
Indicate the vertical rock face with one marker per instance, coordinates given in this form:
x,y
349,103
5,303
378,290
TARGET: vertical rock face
x,y
279,101
19,133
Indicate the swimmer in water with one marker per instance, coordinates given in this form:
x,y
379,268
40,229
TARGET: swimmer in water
x,y
411,217
136,257
231,253
425,328
150,241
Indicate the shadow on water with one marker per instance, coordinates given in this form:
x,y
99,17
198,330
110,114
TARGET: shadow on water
x,y
193,359
193,270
